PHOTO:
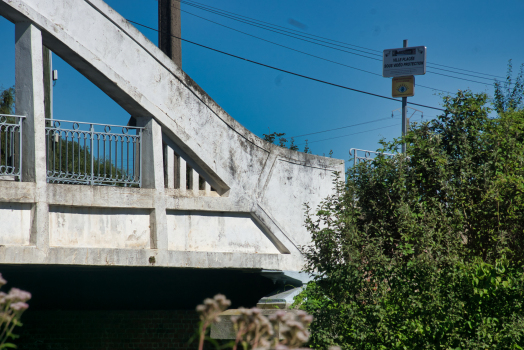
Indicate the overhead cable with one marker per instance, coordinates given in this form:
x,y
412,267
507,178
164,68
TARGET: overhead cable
x,y
355,133
289,72
299,51
342,127
276,28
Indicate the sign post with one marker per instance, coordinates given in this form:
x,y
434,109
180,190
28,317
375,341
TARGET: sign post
x,y
402,65
405,111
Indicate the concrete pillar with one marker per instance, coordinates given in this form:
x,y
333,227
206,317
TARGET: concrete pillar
x,y
194,182
171,167
153,177
181,174
207,188
29,102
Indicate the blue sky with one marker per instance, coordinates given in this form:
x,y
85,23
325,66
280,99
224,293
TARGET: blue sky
x,y
479,36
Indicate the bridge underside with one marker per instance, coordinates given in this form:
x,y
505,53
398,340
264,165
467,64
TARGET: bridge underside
x,y
81,307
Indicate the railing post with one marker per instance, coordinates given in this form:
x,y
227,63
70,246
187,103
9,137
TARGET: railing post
x,y
195,185
20,150
92,133
141,134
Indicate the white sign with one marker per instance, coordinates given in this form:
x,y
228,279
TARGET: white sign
x,y
404,61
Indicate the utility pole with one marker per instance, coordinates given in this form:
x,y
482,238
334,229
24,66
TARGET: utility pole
x,y
48,82
170,30
404,111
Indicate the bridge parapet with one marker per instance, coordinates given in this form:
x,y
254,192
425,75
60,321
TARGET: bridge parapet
x,y
200,190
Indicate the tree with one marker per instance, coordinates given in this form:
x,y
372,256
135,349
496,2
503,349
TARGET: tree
x,y
271,137
425,250
7,101
7,139
508,98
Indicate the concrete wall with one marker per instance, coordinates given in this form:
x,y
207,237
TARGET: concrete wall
x,y
255,219
99,227
218,232
15,223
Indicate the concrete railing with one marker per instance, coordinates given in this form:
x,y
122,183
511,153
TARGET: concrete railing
x,y
179,175
93,154
10,147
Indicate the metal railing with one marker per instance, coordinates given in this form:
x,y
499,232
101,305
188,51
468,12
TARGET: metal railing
x,y
93,154
365,155
11,147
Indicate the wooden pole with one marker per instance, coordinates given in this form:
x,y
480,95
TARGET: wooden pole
x,y
170,30
48,84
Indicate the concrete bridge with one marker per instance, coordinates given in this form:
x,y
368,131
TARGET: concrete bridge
x,y
189,186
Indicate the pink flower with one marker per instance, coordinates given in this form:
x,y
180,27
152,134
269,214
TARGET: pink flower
x,y
19,306
16,295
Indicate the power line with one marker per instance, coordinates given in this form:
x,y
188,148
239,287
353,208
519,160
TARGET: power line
x,y
274,43
288,72
342,127
355,133
299,51
496,76
272,28
252,21
279,31
188,2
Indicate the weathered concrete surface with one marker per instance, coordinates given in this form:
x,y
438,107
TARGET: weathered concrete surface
x,y
93,227
144,257
250,176
211,231
15,223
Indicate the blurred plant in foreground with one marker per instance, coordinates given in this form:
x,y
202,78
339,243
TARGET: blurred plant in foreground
x,y
280,331
12,305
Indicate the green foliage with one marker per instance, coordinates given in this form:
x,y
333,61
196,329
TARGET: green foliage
x,y
425,250
74,158
306,148
7,106
7,100
271,137
508,98
292,146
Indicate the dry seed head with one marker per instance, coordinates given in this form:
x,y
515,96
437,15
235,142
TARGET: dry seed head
x,y
211,308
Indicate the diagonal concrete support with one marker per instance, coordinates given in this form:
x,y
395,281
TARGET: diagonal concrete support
x,y
29,102
153,177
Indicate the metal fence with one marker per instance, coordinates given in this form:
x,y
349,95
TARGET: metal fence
x,y
93,154
11,147
365,155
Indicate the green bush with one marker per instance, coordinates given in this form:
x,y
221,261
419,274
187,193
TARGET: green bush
x,y
425,250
